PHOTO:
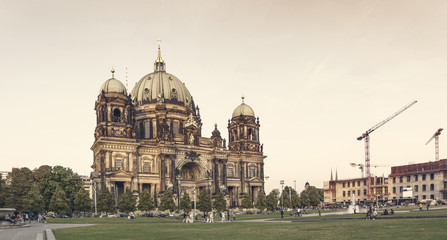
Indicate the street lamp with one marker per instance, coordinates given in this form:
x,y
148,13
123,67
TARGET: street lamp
x,y
282,189
294,181
282,197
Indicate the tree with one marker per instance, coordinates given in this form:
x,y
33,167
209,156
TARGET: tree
x,y
40,175
261,203
272,200
33,203
311,197
290,198
59,202
4,190
185,203
204,203
219,203
64,177
296,200
146,203
128,202
167,201
20,184
246,202
105,201
82,201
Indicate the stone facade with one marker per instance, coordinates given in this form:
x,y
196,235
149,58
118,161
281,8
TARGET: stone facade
x,y
413,182
425,180
340,191
152,140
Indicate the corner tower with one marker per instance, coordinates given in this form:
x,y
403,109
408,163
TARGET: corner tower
x,y
114,114
243,130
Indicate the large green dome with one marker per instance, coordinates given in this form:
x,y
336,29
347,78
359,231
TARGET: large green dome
x,y
161,85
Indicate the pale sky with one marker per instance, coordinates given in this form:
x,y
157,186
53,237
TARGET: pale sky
x,y
317,73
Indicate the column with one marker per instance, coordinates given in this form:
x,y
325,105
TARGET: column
x,y
216,175
262,177
103,168
155,195
162,174
154,128
172,169
110,160
224,172
262,171
237,197
130,162
242,176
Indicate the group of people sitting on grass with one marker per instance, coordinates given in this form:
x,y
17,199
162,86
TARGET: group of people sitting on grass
x,y
372,213
386,212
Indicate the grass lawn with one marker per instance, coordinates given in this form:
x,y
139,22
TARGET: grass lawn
x,y
433,228
274,216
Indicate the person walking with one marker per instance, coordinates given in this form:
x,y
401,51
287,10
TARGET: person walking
x,y
374,215
211,217
223,216
234,217
282,213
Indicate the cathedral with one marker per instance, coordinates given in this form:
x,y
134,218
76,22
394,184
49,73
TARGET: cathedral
x,y
151,139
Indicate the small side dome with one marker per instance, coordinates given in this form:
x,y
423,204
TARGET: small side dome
x,y
244,110
113,86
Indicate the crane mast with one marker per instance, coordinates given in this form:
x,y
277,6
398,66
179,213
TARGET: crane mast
x,y
436,137
366,137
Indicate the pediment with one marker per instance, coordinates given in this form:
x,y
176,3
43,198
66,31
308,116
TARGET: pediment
x,y
255,180
121,173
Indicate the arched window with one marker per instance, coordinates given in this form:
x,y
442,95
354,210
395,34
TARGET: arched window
x,y
251,171
119,165
230,172
116,115
175,127
147,130
146,167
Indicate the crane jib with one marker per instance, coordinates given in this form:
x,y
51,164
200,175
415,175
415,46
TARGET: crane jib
x,y
366,137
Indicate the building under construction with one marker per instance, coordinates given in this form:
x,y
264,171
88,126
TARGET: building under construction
x,y
416,182
412,183
342,191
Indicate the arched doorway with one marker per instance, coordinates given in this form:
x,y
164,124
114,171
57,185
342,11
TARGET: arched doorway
x,y
192,179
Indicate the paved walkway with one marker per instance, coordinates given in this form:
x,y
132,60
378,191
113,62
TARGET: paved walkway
x,y
34,231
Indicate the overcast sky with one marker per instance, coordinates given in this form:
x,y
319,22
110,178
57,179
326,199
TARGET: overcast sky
x,y
317,73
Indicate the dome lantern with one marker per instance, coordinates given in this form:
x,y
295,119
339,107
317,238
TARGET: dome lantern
x,y
159,65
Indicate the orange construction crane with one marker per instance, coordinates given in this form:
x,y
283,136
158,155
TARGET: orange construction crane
x,y
436,137
366,137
